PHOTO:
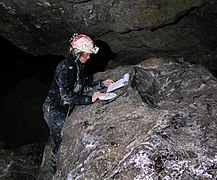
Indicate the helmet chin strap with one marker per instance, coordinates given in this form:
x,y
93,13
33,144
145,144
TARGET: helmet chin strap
x,y
76,62
77,54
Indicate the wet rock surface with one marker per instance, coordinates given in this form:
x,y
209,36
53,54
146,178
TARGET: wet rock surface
x,y
173,137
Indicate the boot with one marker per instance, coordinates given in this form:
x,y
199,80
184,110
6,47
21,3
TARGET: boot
x,y
52,163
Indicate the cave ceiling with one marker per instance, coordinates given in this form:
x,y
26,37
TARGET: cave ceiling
x,y
135,30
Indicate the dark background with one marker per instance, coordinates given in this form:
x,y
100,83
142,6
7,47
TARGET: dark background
x,y
25,81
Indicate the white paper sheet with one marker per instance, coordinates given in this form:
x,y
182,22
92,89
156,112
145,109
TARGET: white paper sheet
x,y
120,83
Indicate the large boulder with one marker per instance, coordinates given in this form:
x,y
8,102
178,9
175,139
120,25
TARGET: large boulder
x,y
161,126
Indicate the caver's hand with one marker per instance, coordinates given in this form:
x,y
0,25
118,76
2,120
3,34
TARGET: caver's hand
x,y
107,82
96,95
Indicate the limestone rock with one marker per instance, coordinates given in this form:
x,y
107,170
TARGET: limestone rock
x,y
129,138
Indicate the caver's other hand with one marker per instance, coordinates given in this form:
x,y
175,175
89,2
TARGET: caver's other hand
x,y
107,82
96,95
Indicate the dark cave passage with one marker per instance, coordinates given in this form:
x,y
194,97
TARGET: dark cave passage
x,y
25,82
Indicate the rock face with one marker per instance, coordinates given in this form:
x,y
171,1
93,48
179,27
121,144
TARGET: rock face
x,y
161,126
142,29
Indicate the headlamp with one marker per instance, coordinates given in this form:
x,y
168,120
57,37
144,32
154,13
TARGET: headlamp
x,y
95,49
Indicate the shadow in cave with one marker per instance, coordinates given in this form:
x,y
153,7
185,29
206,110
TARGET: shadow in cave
x,y
98,62
25,81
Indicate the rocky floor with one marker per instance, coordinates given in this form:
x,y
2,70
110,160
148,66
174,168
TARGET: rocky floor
x,y
22,163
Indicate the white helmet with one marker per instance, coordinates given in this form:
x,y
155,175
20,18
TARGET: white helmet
x,y
83,43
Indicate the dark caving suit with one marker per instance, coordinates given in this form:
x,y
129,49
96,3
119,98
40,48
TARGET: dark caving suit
x,y
67,90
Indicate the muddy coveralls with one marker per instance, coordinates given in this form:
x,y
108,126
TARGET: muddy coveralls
x,y
66,91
